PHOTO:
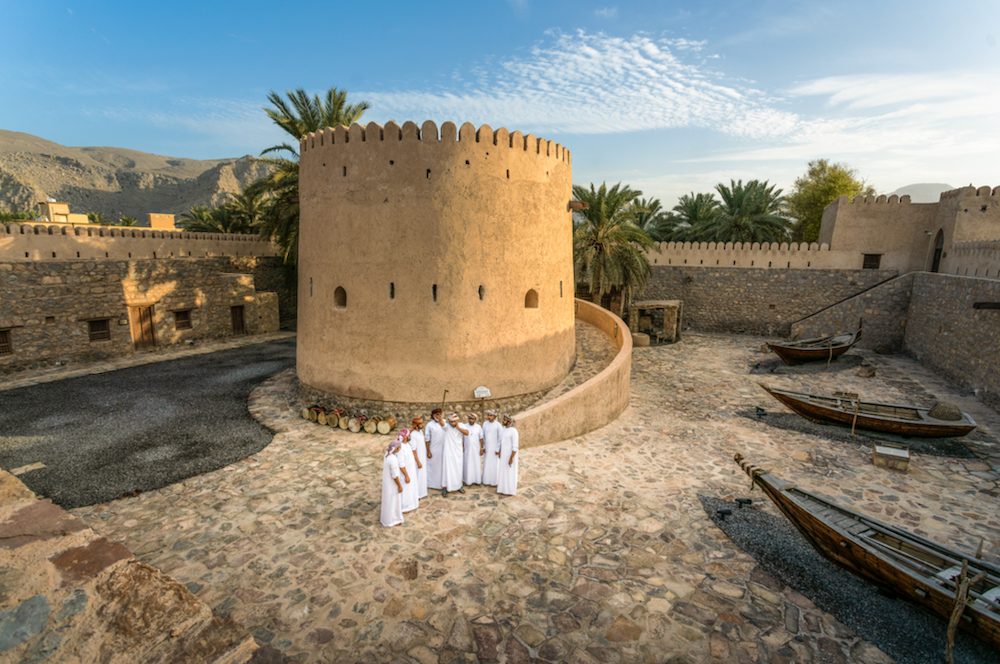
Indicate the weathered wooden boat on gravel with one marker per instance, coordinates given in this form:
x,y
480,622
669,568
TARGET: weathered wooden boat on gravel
x,y
908,565
848,409
826,349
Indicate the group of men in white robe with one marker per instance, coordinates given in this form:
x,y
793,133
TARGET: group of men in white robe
x,y
448,457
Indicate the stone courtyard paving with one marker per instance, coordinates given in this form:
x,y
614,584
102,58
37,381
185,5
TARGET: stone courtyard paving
x,y
606,555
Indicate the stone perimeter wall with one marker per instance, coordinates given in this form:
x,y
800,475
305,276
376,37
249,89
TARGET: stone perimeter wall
x,y
46,306
931,317
755,300
595,403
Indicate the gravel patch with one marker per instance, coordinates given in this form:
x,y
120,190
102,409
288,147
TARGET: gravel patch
x,y
137,429
904,631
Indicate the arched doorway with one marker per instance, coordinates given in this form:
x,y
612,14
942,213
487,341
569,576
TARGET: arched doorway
x,y
938,248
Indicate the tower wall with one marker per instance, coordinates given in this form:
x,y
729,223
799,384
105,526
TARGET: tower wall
x,y
420,257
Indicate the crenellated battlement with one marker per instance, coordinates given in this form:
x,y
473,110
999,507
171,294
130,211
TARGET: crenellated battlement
x,y
428,133
31,241
877,200
42,228
742,246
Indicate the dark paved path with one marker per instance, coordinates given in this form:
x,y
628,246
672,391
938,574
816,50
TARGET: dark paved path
x,y
137,429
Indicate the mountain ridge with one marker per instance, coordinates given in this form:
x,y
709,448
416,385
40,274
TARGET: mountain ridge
x,y
115,181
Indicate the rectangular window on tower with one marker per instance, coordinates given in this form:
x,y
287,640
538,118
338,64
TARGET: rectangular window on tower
x,y
872,261
99,330
5,347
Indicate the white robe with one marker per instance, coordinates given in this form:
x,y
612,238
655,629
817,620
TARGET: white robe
x,y
452,458
491,439
472,468
435,464
507,476
392,506
409,498
417,440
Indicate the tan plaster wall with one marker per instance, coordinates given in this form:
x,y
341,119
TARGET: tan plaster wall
x,y
891,226
593,404
46,242
459,210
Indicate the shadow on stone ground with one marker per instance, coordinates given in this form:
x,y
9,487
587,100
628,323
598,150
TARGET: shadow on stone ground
x,y
942,447
774,365
904,631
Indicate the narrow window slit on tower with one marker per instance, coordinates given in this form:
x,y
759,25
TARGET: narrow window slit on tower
x,y
428,174
482,291
340,298
345,171
434,292
392,290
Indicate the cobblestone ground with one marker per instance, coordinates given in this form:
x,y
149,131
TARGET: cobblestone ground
x,y
606,555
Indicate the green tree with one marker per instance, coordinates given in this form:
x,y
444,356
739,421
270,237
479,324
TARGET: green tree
x,y
96,218
608,246
17,215
649,215
125,220
204,219
822,184
248,207
750,212
692,211
297,115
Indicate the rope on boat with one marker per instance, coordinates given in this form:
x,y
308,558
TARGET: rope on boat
x,y
750,469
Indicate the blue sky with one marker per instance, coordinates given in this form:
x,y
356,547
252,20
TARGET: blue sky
x,y
667,96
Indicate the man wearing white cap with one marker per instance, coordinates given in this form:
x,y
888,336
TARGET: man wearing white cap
x,y
452,461
491,443
509,443
435,450
472,468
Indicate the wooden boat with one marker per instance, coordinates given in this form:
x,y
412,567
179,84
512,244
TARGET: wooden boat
x,y
908,565
849,410
813,350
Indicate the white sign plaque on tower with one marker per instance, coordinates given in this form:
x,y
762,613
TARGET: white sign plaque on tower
x,y
482,392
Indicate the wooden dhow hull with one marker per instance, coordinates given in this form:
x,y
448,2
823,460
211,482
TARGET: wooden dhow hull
x,y
897,419
824,349
920,570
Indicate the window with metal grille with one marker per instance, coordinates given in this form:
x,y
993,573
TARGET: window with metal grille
x,y
872,261
5,347
182,319
99,330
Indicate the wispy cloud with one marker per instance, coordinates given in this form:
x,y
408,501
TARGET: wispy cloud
x,y
589,83
606,12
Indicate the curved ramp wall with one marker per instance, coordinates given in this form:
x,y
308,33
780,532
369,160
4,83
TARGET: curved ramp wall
x,y
434,261
593,404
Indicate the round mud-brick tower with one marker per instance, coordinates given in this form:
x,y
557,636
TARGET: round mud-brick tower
x,y
434,262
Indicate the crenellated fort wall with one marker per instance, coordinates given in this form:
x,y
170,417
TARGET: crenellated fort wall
x,y
875,232
434,259
53,241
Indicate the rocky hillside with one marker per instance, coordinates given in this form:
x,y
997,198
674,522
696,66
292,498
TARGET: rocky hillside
x,y
114,181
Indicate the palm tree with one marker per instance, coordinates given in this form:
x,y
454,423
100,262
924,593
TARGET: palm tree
x,y
650,216
608,246
692,211
125,220
248,207
204,219
750,212
299,115
96,218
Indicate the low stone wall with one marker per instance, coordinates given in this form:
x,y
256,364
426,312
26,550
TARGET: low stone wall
x,y
946,333
46,307
882,308
593,404
70,595
755,301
